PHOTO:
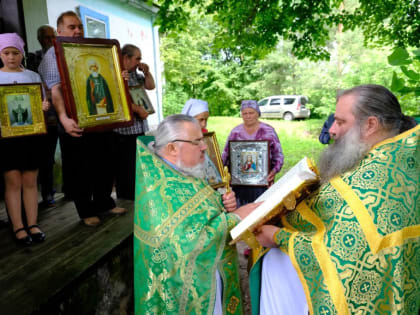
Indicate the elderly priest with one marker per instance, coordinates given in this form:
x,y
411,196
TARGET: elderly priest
x,y
353,247
182,262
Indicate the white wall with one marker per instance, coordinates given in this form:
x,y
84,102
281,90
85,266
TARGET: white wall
x,y
35,12
127,24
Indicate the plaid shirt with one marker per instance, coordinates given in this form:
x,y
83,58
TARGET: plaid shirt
x,y
140,126
48,69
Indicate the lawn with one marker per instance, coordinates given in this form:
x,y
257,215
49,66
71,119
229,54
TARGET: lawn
x,y
297,138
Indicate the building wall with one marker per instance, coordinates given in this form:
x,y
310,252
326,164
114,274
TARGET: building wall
x,y
35,13
128,24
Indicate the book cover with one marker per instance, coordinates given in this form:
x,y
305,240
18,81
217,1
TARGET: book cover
x,y
295,184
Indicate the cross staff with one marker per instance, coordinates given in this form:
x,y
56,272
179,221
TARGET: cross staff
x,y
226,179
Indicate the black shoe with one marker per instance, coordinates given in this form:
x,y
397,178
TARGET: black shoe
x,y
25,241
37,237
48,202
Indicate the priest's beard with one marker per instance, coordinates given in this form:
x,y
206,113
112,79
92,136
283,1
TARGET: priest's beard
x,y
342,155
197,171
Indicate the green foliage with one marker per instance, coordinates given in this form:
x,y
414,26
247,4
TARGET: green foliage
x,y
194,69
405,81
351,64
254,27
389,22
171,98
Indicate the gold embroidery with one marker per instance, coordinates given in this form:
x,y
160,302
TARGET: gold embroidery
x,y
233,304
155,238
399,137
300,274
376,242
328,268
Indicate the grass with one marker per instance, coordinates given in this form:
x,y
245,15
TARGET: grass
x,y
297,138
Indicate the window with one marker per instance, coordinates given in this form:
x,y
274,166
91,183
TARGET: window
x,y
263,102
275,101
289,101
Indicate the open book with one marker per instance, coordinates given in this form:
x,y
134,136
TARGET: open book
x,y
292,185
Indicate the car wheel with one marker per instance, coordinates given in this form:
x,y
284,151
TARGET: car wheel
x,y
288,116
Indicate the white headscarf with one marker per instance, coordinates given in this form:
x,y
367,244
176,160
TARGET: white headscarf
x,y
193,107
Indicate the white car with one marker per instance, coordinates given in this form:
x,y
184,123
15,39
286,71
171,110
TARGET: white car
x,y
288,107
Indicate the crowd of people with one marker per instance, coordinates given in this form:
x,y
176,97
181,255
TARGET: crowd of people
x,y
352,246
87,159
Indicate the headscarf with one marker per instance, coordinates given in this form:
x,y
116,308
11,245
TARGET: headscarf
x,y
251,104
11,40
194,107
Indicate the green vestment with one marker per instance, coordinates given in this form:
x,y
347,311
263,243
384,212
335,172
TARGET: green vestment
x,y
180,238
355,243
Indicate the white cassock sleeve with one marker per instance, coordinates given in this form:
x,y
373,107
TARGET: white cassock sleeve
x,y
281,290
218,309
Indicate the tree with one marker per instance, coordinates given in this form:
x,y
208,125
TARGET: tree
x,y
405,83
194,70
255,26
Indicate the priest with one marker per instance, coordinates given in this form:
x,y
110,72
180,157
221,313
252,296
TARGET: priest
x,y
182,261
353,247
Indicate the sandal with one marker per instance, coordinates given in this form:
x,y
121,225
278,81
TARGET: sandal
x,y
25,241
38,237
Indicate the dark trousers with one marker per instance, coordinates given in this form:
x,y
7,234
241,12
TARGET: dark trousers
x,y
46,168
90,165
247,194
125,176
65,173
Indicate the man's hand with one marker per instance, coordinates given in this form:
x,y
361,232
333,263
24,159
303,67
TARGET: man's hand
x,y
266,235
270,177
140,111
143,68
246,209
45,105
125,75
71,127
58,101
229,201
149,82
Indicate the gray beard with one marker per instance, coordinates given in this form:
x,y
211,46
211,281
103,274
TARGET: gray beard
x,y
342,155
197,171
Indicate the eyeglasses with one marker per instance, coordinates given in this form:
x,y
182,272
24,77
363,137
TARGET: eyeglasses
x,y
196,142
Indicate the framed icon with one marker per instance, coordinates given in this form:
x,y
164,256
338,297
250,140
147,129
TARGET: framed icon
x,y
21,111
95,93
249,162
140,98
213,160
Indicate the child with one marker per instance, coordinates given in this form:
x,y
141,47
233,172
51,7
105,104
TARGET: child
x,y
20,156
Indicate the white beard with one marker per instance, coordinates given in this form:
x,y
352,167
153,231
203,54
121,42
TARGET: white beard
x,y
342,155
197,171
